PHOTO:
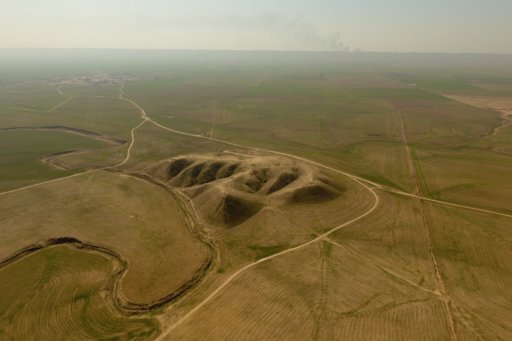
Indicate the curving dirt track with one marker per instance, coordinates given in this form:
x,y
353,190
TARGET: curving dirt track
x,y
144,117
45,182
51,109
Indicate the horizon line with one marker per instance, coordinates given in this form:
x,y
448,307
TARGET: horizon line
x,y
357,51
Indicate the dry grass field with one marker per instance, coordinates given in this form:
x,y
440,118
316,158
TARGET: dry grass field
x,y
226,196
474,256
322,292
137,220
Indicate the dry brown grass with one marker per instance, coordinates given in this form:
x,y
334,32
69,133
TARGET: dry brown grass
x,y
136,219
394,239
452,175
474,251
322,292
59,293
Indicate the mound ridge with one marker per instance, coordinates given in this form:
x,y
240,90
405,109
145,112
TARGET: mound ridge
x,y
209,173
257,179
177,166
282,181
227,190
222,208
188,173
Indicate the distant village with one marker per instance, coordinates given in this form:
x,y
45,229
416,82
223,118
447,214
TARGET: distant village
x,y
88,80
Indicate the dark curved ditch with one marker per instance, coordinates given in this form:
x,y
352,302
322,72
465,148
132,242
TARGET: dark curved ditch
x,y
119,300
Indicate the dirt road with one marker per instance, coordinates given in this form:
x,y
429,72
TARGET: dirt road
x,y
441,287
45,182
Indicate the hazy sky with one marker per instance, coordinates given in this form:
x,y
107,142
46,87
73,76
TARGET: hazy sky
x,y
369,25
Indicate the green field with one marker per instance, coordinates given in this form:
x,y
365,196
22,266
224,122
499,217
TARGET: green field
x,y
105,115
22,151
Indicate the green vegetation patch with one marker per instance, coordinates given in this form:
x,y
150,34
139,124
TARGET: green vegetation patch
x,y
22,150
265,251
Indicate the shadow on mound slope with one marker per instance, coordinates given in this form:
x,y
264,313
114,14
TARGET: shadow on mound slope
x,y
177,166
282,181
209,173
188,173
234,210
223,208
313,193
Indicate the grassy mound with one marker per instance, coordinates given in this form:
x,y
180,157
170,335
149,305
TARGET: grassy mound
x,y
227,190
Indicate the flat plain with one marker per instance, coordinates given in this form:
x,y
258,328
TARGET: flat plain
x,y
230,195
